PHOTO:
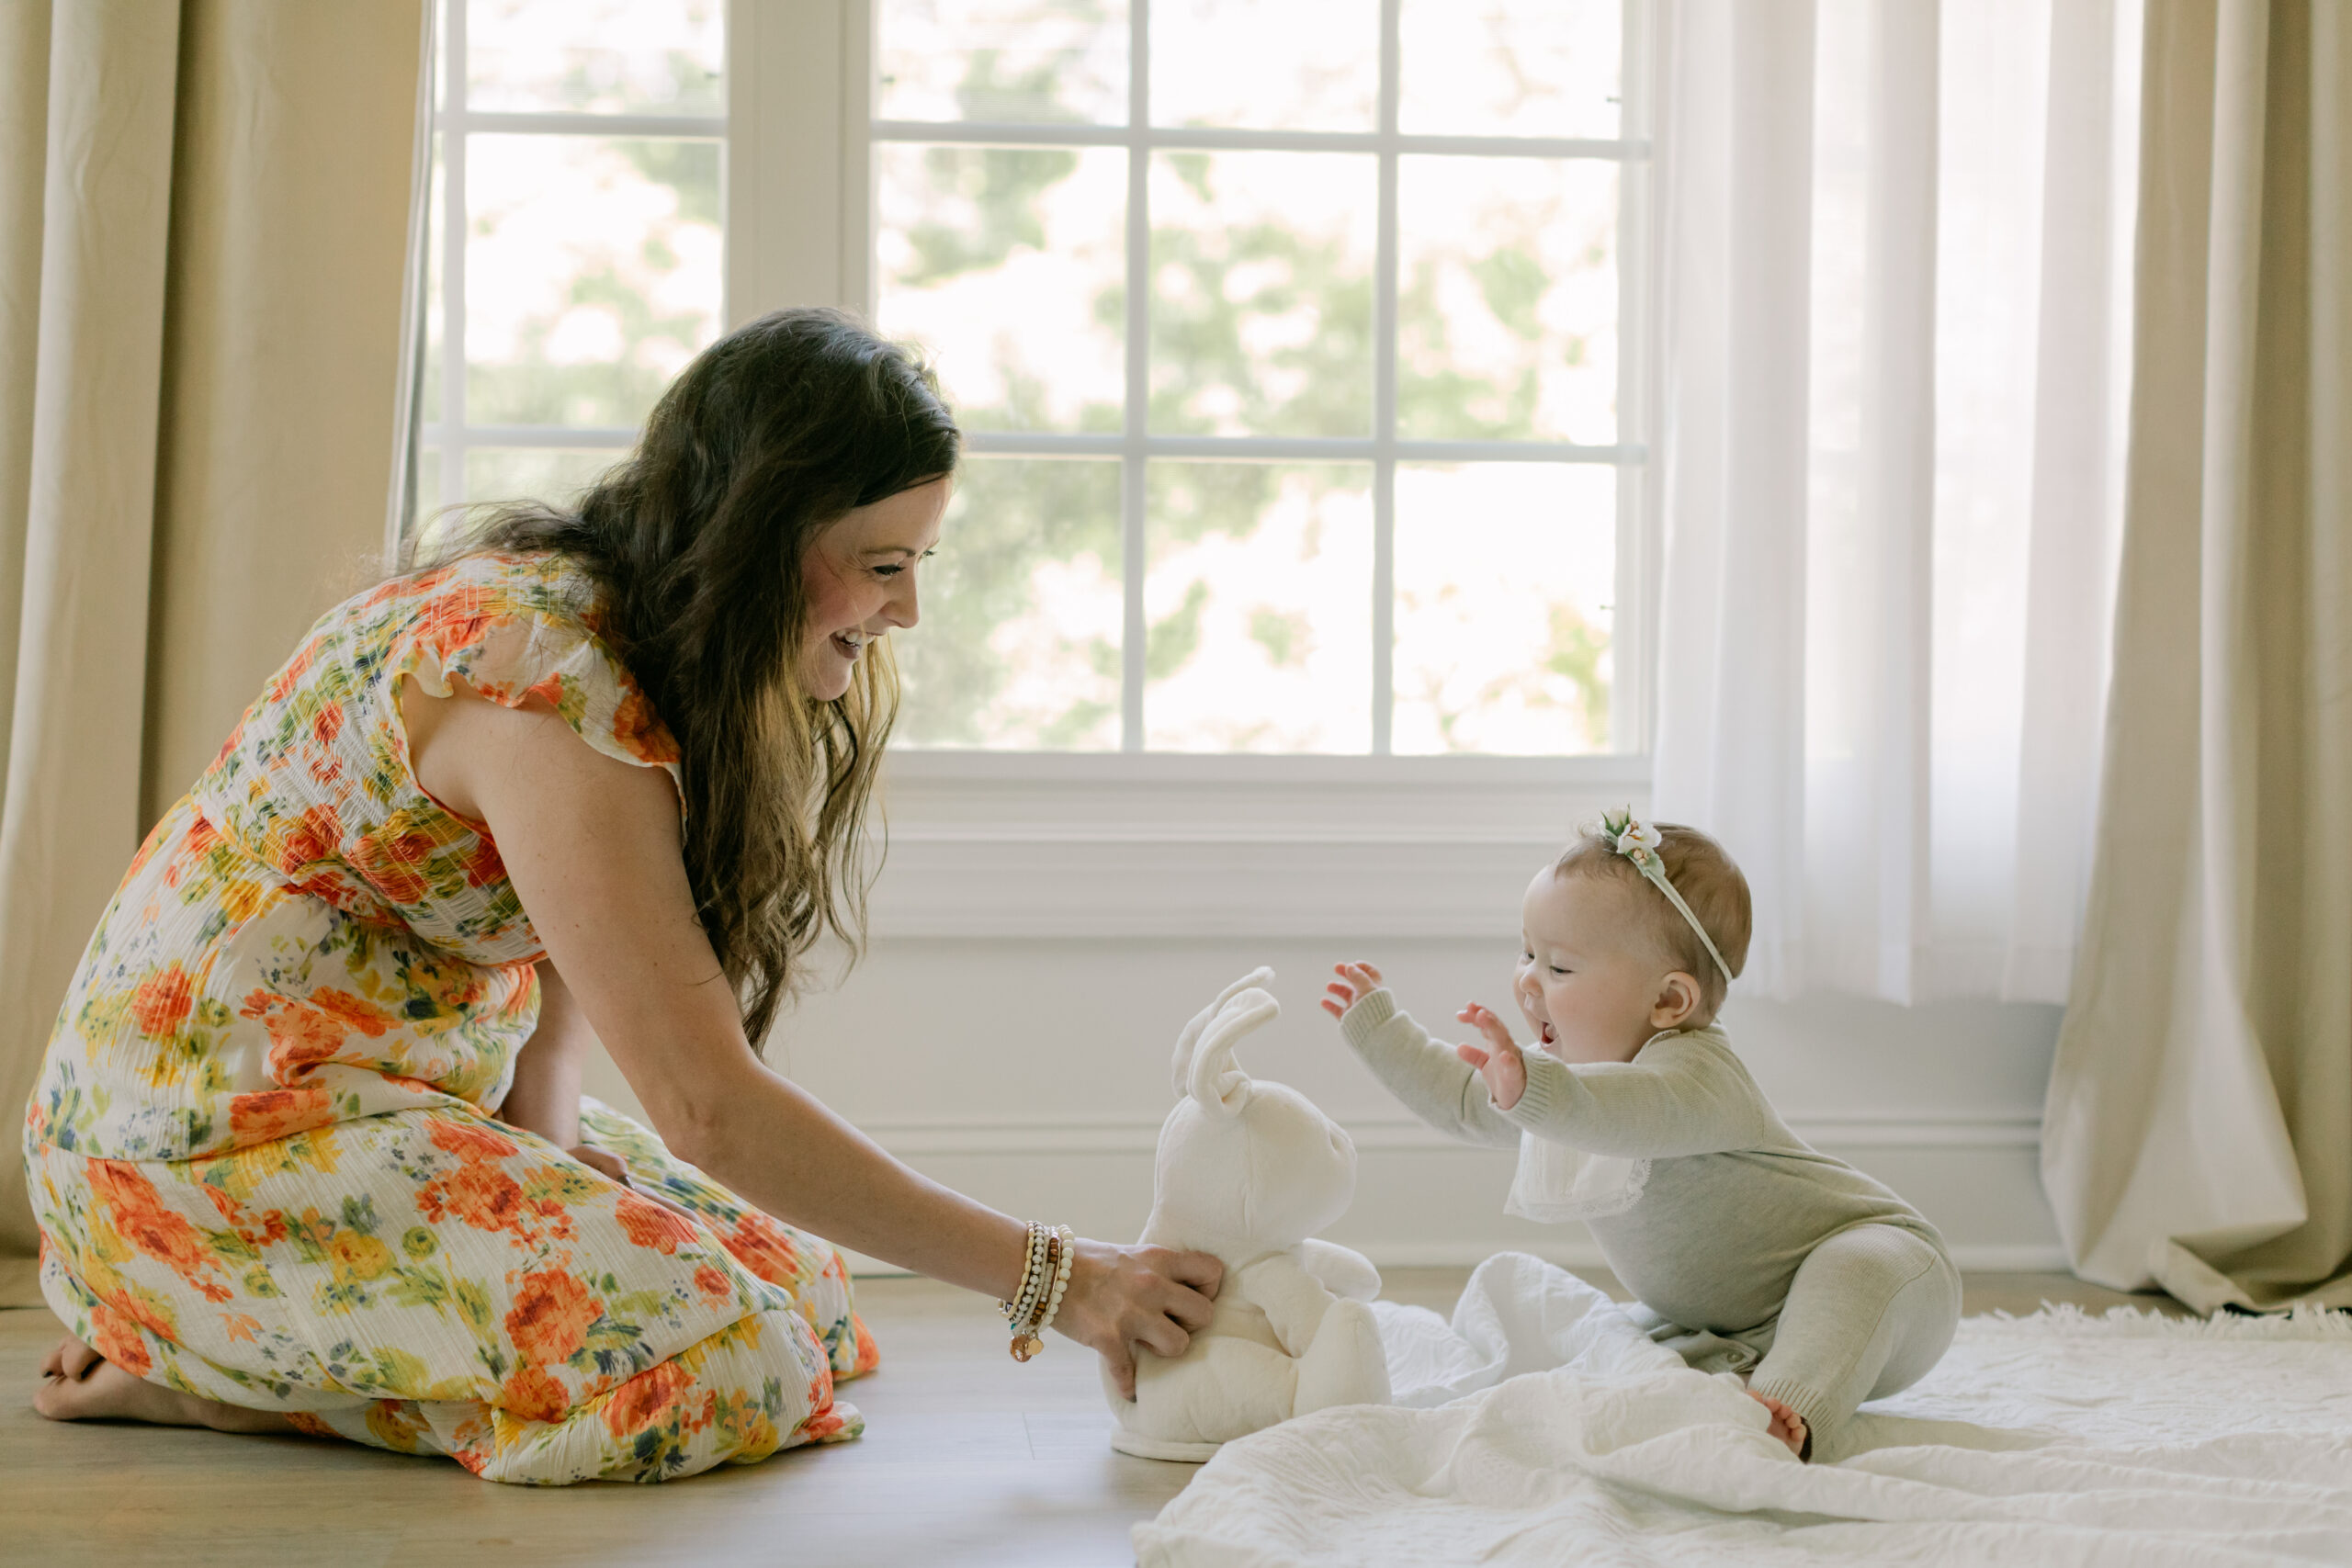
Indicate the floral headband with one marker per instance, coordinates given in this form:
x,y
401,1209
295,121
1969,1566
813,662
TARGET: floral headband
x,y
1639,842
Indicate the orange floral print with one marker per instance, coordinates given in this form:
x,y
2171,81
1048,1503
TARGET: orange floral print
x,y
760,1244
300,1038
113,1338
398,866
640,1402
651,1225
530,1394
360,1014
550,1318
637,727
288,680
476,1194
482,866
163,1001
469,1139
306,840
278,1113
141,1219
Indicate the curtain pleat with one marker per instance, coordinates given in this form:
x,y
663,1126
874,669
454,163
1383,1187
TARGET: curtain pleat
x,y
2199,1133
203,317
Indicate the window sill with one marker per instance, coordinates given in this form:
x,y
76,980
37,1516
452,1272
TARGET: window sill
x,y
1025,844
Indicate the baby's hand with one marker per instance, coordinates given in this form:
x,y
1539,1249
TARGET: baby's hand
x,y
1355,982
1498,1061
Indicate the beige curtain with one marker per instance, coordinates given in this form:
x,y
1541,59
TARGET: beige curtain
x,y
204,209
2199,1125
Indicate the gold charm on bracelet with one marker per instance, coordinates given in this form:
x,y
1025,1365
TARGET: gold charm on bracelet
x,y
1026,1346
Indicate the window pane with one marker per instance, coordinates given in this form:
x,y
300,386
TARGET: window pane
x,y
1507,314
595,56
1018,61
1505,579
553,474
1510,68
1010,265
1261,293
592,274
1282,64
1258,603
1018,645
556,474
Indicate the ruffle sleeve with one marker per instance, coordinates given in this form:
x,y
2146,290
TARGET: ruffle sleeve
x,y
509,634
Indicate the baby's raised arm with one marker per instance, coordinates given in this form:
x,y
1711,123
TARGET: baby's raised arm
x,y
1686,1094
1433,1083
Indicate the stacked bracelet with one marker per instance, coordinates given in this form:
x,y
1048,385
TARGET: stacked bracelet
x,y
1036,1274
1044,1279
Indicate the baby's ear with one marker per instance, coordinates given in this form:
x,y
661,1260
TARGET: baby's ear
x,y
1680,998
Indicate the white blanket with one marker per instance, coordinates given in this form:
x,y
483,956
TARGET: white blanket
x,y
1549,1430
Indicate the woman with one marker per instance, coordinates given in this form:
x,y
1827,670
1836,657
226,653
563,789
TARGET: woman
x,y
309,1152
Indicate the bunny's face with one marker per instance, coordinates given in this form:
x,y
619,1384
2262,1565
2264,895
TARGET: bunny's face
x,y
1248,1166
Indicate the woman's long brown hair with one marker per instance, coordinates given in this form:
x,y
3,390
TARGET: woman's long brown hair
x,y
694,545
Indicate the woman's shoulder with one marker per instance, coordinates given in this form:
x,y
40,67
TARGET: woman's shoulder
x,y
451,596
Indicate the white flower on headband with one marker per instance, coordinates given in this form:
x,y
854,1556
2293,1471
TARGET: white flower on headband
x,y
1638,838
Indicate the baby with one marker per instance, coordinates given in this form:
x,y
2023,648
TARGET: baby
x,y
1750,1252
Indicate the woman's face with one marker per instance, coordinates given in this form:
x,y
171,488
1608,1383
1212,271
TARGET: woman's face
x,y
860,574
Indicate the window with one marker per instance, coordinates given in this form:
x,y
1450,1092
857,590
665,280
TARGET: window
x,y
1297,341
1291,343
574,258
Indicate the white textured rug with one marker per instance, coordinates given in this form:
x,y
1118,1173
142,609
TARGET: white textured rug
x,y
2129,1440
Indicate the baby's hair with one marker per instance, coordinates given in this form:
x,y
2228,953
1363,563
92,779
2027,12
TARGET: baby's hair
x,y
1709,882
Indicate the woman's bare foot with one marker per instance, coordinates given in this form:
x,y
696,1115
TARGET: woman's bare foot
x,y
1787,1425
82,1385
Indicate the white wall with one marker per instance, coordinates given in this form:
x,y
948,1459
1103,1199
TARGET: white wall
x,y
992,1043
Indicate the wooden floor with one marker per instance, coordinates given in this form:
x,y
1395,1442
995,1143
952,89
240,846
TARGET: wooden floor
x,y
967,1459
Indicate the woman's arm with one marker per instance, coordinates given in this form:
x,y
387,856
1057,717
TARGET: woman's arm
x,y
544,1096
593,845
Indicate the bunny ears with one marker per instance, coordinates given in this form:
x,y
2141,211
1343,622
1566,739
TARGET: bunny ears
x,y
1204,1067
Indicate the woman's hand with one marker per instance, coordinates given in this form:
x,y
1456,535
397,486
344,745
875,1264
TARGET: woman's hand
x,y
1123,1298
1355,982
1498,1061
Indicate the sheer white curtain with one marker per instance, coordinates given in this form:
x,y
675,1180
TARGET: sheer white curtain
x,y
1894,288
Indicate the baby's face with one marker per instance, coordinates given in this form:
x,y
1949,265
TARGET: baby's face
x,y
1588,981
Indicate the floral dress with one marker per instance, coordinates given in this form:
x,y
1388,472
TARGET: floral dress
x,y
264,1151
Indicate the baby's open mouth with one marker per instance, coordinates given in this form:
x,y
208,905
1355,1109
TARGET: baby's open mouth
x,y
1548,1038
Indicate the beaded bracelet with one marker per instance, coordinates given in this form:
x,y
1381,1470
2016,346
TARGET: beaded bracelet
x,y
1036,1272
1045,1301
1061,1278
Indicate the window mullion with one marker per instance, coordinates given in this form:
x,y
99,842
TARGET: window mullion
x,y
1384,393
1132,490
453,261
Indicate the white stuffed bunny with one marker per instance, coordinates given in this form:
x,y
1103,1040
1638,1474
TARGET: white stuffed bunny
x,y
1248,1170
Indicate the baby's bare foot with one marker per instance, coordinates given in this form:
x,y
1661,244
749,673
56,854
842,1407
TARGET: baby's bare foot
x,y
82,1385
1787,1425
